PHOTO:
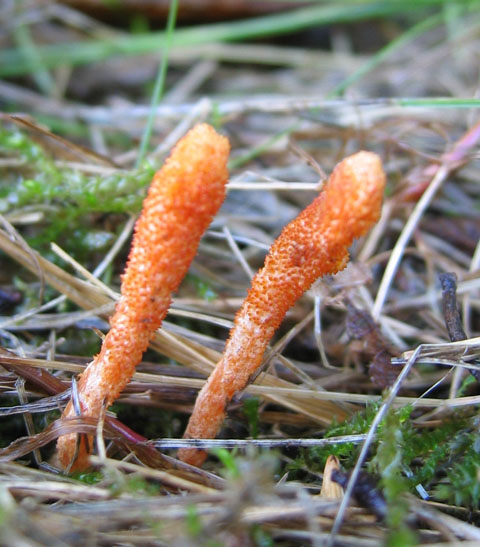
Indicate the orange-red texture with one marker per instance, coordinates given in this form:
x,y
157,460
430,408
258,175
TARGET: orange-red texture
x,y
182,200
314,244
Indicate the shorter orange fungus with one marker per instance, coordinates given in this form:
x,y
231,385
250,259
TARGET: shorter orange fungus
x,y
182,200
314,244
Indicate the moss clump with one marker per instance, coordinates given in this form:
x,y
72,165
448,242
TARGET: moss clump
x,y
62,195
389,463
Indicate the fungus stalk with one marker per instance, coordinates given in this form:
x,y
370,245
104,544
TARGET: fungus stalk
x,y
314,244
182,200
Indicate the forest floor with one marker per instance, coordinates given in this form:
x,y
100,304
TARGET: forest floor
x,y
362,427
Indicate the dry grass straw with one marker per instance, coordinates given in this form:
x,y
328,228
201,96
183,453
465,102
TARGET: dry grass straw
x,y
316,404
96,297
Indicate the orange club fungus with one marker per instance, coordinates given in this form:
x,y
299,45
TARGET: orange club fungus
x,y
314,244
182,200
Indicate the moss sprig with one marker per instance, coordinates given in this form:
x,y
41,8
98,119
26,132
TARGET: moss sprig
x,y
389,463
36,179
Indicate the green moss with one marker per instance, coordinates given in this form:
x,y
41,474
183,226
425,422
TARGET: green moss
x,y
193,522
358,423
461,485
444,460
204,289
314,459
389,462
69,201
250,410
467,383
260,537
92,477
67,194
231,471
141,487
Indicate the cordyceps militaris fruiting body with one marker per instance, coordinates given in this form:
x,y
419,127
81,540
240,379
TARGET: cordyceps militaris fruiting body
x,y
182,200
314,244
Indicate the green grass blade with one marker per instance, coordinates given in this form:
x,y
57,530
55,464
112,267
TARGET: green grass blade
x,y
159,82
411,34
33,59
439,102
12,62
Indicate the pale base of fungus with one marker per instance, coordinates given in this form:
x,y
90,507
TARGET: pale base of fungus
x,y
314,244
182,200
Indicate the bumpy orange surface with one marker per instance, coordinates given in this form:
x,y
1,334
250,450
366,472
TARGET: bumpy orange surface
x,y
181,202
314,244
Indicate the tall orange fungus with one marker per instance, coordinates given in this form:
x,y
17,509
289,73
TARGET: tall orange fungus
x,y
314,244
182,200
